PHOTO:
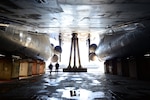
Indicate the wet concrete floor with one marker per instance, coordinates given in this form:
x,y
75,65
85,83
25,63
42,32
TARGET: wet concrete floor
x,y
75,86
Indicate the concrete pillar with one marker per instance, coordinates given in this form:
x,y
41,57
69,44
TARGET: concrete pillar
x,y
132,68
110,66
125,67
114,66
5,68
30,68
106,67
23,72
143,68
15,68
42,68
38,67
34,68
119,67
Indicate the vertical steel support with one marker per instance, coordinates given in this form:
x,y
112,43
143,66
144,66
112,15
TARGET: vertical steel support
x,y
69,66
78,53
75,46
89,46
74,40
60,45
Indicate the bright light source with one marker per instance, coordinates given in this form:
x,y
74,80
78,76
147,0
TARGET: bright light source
x,y
4,25
1,55
147,55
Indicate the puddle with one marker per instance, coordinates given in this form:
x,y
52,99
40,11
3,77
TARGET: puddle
x,y
69,88
53,82
61,79
77,75
80,94
42,91
52,98
43,97
76,79
79,82
95,82
60,90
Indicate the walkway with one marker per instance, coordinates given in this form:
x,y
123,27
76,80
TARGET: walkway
x,y
75,86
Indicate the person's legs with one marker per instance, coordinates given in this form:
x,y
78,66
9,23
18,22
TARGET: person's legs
x,y
50,71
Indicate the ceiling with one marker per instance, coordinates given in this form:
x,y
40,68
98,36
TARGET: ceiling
x,y
67,16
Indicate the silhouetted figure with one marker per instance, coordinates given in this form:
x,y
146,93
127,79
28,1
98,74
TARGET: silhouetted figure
x,y
50,67
57,67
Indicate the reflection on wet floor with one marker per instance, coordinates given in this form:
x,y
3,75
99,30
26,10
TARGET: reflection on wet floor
x,y
81,94
75,86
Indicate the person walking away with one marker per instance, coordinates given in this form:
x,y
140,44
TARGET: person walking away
x,y
57,66
50,67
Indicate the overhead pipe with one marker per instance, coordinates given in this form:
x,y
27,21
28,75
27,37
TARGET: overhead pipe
x,y
25,44
124,43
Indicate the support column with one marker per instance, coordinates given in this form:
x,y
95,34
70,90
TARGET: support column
x,y
89,42
78,54
24,68
114,66
15,69
38,67
69,66
30,64
143,68
34,68
23,72
125,67
60,46
74,42
132,68
6,68
42,67
110,66
106,67
119,67
75,47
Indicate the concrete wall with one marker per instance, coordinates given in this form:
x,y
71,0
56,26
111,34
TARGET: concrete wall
x,y
34,68
133,67
119,67
11,68
23,72
143,68
5,68
16,68
125,67
42,68
29,68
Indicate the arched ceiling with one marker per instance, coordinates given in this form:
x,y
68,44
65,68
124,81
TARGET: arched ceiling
x,y
67,16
